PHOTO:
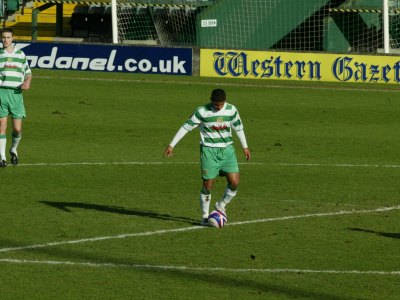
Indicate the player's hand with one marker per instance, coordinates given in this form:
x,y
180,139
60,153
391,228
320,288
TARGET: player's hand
x,y
247,153
169,151
26,85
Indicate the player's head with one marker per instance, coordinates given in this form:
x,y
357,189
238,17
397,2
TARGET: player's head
x,y
218,95
7,29
6,37
218,98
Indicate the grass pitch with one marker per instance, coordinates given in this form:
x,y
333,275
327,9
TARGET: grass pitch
x,y
94,211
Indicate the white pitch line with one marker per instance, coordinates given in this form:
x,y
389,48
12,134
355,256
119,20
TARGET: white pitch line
x,y
149,233
100,238
195,163
339,213
198,269
102,163
337,165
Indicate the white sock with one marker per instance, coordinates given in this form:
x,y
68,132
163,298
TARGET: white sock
x,y
228,196
16,137
3,142
205,204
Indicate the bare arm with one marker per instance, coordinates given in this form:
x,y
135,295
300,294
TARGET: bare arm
x,y
27,83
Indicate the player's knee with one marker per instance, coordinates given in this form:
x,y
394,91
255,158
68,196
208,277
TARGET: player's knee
x,y
233,183
207,187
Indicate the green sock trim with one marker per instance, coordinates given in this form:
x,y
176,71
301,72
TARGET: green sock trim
x,y
16,135
2,136
232,188
205,191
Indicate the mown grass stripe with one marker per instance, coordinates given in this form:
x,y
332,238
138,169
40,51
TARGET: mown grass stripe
x,y
343,87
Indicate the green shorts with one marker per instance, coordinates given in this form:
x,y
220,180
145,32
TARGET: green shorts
x,y
12,103
214,160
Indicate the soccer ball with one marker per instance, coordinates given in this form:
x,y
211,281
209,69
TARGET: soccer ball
x,y
217,219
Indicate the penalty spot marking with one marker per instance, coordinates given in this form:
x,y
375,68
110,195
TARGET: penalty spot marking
x,y
184,268
159,232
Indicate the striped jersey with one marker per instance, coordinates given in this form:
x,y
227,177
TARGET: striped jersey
x,y
13,68
215,126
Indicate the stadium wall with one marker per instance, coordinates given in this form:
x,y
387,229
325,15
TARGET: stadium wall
x,y
260,16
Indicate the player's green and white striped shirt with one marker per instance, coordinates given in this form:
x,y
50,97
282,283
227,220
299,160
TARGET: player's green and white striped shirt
x,y
215,126
13,68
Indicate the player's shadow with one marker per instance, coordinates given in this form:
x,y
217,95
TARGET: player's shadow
x,y
65,206
384,234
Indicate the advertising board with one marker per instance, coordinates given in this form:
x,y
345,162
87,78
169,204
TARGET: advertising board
x,y
109,58
300,66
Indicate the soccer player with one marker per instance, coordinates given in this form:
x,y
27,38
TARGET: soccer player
x,y
15,76
217,154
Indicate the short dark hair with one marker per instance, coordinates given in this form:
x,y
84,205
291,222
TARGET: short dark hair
x,y
218,95
7,29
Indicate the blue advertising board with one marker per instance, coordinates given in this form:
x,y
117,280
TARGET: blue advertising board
x,y
109,58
